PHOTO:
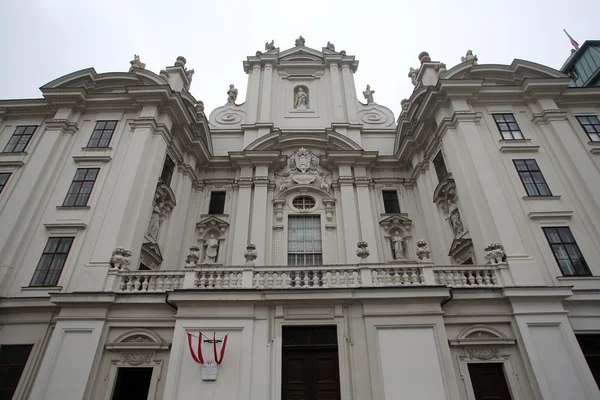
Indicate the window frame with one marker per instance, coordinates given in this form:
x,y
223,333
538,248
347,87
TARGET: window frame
x,y
575,246
52,254
440,161
15,366
5,182
212,202
168,168
101,135
300,257
387,201
20,137
509,130
594,125
75,181
529,175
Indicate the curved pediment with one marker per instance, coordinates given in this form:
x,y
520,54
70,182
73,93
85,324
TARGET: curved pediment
x,y
89,79
329,140
503,74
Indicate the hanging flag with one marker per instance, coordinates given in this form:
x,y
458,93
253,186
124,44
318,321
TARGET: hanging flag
x,y
195,345
573,42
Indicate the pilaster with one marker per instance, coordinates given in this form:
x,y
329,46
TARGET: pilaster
x,y
365,210
349,212
265,109
338,114
259,212
242,215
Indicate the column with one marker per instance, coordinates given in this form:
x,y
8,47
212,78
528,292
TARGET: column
x,y
365,211
349,213
260,207
242,216
265,107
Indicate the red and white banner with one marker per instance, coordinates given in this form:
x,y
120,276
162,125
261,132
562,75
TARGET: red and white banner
x,y
195,346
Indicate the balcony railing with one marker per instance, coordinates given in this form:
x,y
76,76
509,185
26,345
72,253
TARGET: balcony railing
x,y
309,277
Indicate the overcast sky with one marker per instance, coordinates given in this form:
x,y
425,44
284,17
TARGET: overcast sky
x,y
43,40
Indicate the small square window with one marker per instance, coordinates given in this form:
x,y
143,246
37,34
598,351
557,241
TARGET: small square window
x,y
532,178
20,139
3,179
217,203
591,126
508,127
390,202
81,187
102,134
52,261
566,252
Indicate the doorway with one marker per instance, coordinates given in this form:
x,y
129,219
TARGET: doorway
x,y
489,381
132,383
310,366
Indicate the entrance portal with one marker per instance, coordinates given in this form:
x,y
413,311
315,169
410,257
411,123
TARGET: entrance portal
x,y
132,384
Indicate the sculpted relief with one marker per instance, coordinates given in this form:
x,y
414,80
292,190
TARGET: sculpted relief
x,y
303,169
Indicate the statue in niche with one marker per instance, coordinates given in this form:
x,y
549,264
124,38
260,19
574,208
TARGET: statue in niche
x,y
301,99
270,46
368,93
300,41
453,215
398,245
212,249
155,219
232,94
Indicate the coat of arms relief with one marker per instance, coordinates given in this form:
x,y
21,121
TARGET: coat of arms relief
x,y
303,169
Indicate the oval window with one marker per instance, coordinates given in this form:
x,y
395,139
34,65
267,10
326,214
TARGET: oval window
x,y
303,202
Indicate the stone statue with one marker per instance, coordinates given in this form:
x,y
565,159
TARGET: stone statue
x,y
270,46
454,217
424,57
300,41
343,52
212,249
136,63
180,62
258,53
412,74
368,93
189,73
397,243
155,219
405,104
441,68
232,94
330,46
469,57
301,99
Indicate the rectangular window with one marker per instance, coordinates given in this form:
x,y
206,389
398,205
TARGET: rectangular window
x,y
102,134
81,187
20,139
508,127
390,202
532,178
304,240
52,261
440,167
591,126
566,252
217,203
13,359
3,179
590,346
167,171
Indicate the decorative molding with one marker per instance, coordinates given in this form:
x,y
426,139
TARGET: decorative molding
x,y
138,339
554,215
92,158
137,358
65,226
519,149
537,198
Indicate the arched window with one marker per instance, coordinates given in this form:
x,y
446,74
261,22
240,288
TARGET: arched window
x,y
304,202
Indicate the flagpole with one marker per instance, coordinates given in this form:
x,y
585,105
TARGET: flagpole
x,y
573,41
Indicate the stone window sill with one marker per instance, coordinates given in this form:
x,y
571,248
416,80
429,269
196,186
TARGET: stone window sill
x,y
100,149
72,207
575,277
516,141
541,198
42,288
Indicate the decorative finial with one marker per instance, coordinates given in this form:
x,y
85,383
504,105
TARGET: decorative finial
x,y
300,41
424,57
232,94
136,63
494,253
180,62
250,255
469,57
193,256
422,250
362,251
120,258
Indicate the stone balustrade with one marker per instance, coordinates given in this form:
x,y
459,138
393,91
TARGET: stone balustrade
x,y
309,277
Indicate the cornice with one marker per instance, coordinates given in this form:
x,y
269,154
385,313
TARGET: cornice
x,y
62,125
547,116
155,128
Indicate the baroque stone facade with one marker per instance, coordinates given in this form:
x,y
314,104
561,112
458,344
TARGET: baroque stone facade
x,y
459,235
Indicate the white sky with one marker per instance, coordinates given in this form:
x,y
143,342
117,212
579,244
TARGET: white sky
x,y
43,40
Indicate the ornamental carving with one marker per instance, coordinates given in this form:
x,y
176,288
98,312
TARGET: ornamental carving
x,y
163,203
137,358
303,169
484,353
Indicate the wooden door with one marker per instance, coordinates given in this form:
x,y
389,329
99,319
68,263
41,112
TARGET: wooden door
x,y
310,374
489,382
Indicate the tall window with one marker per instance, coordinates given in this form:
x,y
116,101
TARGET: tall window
x,y
12,363
566,252
20,139
590,346
52,261
390,201
167,171
102,134
81,187
217,203
508,127
304,240
532,178
3,179
591,126
440,167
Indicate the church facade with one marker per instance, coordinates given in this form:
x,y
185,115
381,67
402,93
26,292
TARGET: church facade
x,y
305,243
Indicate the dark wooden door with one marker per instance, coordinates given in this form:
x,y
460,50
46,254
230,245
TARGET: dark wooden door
x,y
489,382
310,374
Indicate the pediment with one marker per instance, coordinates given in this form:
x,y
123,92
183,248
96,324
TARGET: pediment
x,y
395,222
88,78
212,222
152,251
301,53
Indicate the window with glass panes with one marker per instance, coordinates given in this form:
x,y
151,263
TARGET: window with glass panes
x,y
591,126
81,187
390,201
217,203
3,179
52,261
102,134
532,178
20,139
13,359
566,252
508,127
304,240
